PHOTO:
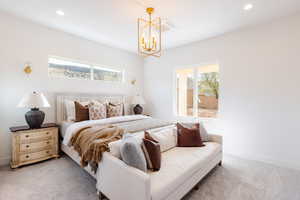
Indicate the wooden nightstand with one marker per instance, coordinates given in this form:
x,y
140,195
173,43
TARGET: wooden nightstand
x,y
33,145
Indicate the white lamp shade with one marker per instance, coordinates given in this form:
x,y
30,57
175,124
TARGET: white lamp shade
x,y
34,100
138,100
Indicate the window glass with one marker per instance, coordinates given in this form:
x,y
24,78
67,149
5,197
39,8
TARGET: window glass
x,y
208,91
60,68
197,91
185,92
66,69
107,74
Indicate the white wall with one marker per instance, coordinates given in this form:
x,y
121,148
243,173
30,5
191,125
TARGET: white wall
x,y
259,66
260,96
22,41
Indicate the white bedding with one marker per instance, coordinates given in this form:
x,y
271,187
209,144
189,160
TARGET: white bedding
x,y
64,126
74,127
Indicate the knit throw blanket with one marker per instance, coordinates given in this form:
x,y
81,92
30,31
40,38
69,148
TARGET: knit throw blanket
x,y
90,142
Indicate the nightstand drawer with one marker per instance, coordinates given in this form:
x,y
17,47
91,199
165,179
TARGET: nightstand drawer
x,y
34,156
36,135
36,145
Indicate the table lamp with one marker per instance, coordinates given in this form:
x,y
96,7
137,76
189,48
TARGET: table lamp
x,y
34,101
138,101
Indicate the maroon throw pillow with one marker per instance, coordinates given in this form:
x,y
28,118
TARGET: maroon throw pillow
x,y
189,137
151,149
81,112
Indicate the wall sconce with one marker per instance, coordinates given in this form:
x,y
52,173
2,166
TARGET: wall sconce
x,y
27,69
133,81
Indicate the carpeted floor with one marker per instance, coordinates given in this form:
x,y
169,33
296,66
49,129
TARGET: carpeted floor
x,y
237,179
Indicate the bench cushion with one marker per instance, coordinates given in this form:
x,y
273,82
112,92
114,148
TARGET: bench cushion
x,y
177,165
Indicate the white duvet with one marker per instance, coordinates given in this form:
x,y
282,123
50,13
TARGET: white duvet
x,y
73,128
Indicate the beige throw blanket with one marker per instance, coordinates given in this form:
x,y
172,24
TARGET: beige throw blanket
x,y
90,142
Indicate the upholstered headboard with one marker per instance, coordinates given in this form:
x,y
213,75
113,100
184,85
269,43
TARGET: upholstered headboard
x,y
61,98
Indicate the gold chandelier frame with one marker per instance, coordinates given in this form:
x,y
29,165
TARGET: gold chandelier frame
x,y
156,24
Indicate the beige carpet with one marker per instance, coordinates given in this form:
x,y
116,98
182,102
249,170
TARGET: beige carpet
x,y
237,179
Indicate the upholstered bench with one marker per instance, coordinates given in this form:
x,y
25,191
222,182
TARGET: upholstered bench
x,y
181,169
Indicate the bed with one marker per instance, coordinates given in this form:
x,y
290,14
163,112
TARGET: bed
x,y
67,128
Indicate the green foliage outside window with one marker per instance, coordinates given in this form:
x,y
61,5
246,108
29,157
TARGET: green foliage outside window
x,y
209,84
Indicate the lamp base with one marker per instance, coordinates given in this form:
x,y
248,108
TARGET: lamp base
x,y
35,118
138,109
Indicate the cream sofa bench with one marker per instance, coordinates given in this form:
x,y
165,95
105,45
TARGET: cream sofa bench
x,y
181,170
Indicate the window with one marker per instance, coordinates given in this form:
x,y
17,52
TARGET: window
x,y
197,91
66,69
107,74
61,68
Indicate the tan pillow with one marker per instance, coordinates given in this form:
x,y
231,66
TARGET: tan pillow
x,y
97,110
189,137
114,110
81,112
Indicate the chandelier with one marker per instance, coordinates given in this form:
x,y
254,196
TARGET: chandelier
x,y
149,35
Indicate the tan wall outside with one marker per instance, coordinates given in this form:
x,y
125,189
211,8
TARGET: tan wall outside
x,y
207,102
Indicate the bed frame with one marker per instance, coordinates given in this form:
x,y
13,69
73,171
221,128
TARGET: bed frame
x,y
61,115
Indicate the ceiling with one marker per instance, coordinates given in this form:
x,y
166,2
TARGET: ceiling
x,y
114,22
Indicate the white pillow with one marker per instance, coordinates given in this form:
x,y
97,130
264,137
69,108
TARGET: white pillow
x,y
167,138
70,109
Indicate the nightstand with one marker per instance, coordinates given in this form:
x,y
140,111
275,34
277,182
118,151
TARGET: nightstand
x,y
33,145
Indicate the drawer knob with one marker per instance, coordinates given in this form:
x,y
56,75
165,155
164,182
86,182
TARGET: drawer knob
x,y
27,146
48,142
27,136
47,133
27,156
47,151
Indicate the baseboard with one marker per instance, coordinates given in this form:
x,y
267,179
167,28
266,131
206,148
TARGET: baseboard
x,y
4,161
266,160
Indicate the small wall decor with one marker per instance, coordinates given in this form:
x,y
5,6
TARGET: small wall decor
x,y
27,69
133,81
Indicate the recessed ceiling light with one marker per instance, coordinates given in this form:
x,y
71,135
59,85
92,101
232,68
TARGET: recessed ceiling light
x,y
60,12
248,6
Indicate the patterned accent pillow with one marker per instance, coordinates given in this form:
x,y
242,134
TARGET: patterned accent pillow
x,y
97,110
114,110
